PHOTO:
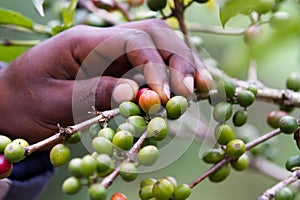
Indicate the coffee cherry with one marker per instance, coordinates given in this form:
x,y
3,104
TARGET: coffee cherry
x,y
222,112
241,163
123,140
6,167
145,192
252,88
252,35
149,141
126,127
280,19
214,156
264,6
147,181
14,152
4,141
104,162
148,155
182,192
240,118
245,98
157,129
128,109
118,196
284,194
139,124
21,142
107,172
274,117
156,5
288,124
74,138
148,101
59,155
176,106
172,180
235,148
224,133
71,185
75,166
93,130
162,189
128,171
102,145
292,163
293,81
220,175
97,192
226,88
107,133
88,165
135,3
201,1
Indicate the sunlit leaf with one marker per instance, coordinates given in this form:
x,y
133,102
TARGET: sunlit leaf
x,y
68,13
9,17
38,4
231,8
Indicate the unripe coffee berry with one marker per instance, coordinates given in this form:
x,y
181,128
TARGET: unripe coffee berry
x,y
104,162
14,152
148,101
128,109
226,88
182,192
59,155
139,124
71,185
162,189
6,167
147,181
123,140
97,192
214,156
176,106
240,118
292,163
222,112
284,194
293,81
235,148
107,133
93,130
201,1
157,129
274,117
245,98
21,142
220,175
127,127
253,88
148,155
102,145
75,166
4,141
145,192
224,133
241,163
88,165
118,196
156,5
288,124
128,171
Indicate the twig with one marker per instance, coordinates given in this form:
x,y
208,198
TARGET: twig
x,y
108,180
252,72
226,160
194,27
270,193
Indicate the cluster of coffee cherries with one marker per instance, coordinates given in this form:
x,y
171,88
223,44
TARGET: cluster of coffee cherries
x,y
112,146
163,189
10,152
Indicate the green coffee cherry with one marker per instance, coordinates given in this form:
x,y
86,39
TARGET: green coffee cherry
x,y
102,145
214,156
123,140
284,194
288,124
292,163
222,112
235,148
157,129
93,130
88,165
75,166
97,192
145,192
220,175
126,127
224,133
104,162
4,141
241,163
156,5
162,189
293,81
71,185
128,109
147,181
245,98
139,124
226,87
240,118
274,117
148,155
172,180
74,138
176,106
128,171
21,142
107,133
252,88
182,192
59,155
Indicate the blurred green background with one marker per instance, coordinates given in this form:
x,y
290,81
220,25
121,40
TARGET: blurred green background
x,y
231,54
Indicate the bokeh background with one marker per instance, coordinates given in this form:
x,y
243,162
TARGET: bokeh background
x,y
231,53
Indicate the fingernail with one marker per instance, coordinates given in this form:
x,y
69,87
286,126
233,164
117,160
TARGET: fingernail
x,y
189,83
123,92
166,90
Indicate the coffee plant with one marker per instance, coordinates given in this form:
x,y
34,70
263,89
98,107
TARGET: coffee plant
x,y
124,149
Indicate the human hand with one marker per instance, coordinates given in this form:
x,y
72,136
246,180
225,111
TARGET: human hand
x,y
87,66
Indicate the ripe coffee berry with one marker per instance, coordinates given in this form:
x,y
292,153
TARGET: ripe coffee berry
x,y
288,124
71,185
6,167
118,196
148,100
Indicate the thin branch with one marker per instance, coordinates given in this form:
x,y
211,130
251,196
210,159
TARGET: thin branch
x,y
108,180
252,72
194,27
262,139
270,193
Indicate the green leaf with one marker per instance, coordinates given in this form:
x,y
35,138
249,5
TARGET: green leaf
x,y
9,17
68,13
38,4
231,8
